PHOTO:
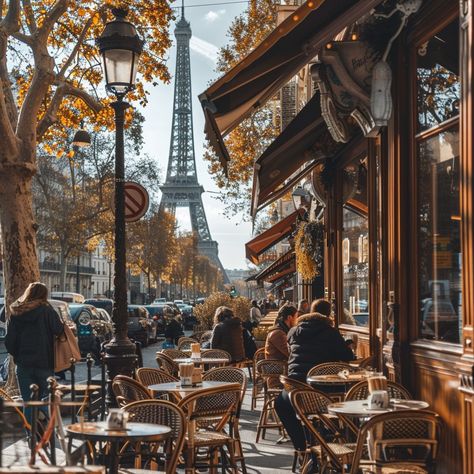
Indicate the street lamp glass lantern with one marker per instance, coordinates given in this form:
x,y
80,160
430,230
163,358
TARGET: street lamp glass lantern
x,y
300,197
120,48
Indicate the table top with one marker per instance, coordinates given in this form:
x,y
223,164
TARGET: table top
x,y
137,431
177,387
203,360
361,408
79,387
336,379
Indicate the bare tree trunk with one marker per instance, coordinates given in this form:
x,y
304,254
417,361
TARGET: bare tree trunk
x,y
20,261
62,272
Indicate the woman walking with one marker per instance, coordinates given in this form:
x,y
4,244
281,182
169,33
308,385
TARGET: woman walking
x,y
30,340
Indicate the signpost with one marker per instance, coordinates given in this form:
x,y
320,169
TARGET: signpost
x,y
136,201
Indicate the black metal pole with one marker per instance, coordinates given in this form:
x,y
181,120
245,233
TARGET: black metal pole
x,y
78,279
120,356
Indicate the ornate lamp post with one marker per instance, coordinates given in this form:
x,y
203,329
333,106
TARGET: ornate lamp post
x,y
120,48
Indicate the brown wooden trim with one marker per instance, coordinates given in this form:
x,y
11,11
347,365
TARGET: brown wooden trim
x,y
440,128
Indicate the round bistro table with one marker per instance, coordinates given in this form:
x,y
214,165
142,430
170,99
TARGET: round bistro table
x,y
203,361
176,387
98,432
360,408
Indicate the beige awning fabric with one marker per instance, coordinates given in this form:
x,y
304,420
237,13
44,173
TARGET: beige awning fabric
x,y
285,51
280,268
272,236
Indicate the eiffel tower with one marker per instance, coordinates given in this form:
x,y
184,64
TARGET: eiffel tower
x,y
181,188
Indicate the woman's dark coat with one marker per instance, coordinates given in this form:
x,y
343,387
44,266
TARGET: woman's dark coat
x,y
30,337
314,341
228,336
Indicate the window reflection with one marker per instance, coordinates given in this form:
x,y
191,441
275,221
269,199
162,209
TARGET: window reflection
x,y
355,246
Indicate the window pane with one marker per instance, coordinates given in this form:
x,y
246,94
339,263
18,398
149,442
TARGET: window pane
x,y
438,86
355,246
439,237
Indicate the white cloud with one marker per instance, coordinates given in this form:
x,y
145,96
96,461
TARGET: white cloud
x,y
204,48
211,16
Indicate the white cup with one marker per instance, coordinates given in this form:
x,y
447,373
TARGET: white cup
x,y
117,419
378,399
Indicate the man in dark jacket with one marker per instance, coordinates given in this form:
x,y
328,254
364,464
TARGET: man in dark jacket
x,y
312,341
30,339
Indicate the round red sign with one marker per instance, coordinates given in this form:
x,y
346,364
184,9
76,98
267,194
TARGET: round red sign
x,y
136,201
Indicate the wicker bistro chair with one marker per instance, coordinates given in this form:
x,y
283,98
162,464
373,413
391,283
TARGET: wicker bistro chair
x,y
161,412
218,402
332,368
150,376
175,353
235,375
257,381
330,450
184,343
270,370
402,441
216,354
167,364
128,390
360,391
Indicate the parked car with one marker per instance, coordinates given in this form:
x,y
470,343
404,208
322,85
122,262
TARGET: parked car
x,y
3,324
156,312
104,327
178,302
67,296
104,303
89,329
62,308
159,301
141,325
439,319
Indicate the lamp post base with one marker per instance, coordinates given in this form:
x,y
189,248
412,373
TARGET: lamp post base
x,y
120,359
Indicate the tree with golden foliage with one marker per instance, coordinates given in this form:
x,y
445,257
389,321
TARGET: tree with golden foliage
x,y
247,141
49,75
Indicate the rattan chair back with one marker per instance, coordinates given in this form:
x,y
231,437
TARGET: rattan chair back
x,y
167,364
216,354
399,439
270,370
360,391
128,390
151,376
175,353
311,408
162,412
206,336
217,402
330,368
228,374
184,343
368,362
290,384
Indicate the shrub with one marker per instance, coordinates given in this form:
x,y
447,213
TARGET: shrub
x,y
205,312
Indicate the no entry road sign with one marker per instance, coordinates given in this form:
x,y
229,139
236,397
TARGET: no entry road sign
x,y
136,201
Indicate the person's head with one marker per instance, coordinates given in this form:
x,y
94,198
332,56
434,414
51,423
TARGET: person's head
x,y
254,303
168,312
222,313
321,306
34,292
303,306
287,314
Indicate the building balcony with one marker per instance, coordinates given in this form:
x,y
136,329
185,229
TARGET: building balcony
x,y
74,269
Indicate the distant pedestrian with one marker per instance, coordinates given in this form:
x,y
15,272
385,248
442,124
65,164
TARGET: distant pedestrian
x,y
303,307
255,314
30,340
173,329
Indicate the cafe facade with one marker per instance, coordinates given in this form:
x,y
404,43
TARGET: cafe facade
x,y
386,145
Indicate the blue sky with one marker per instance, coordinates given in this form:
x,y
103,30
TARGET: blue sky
x,y
209,26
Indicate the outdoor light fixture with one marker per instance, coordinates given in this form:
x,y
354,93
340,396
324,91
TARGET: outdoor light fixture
x,y
81,139
120,47
301,197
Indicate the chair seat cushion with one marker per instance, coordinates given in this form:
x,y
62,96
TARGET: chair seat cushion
x,y
340,450
209,438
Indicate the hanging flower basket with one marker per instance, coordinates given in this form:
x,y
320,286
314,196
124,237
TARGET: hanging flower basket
x,y
309,249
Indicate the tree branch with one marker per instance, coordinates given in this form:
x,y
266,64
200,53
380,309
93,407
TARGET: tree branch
x,y
52,17
90,101
75,50
11,22
30,17
27,39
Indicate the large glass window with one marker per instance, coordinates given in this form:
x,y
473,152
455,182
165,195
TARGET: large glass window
x,y
439,249
355,245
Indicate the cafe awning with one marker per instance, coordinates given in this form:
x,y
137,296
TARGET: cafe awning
x,y
272,236
303,144
285,51
280,268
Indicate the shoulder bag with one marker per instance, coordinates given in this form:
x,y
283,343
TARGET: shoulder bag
x,y
65,348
